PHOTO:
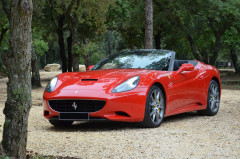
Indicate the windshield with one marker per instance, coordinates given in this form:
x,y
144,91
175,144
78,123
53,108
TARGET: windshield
x,y
140,59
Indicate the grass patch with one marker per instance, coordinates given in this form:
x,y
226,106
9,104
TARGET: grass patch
x,y
32,155
229,79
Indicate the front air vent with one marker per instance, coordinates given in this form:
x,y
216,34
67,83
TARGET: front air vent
x,y
122,114
89,80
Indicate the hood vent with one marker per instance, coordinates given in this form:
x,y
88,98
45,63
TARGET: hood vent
x,y
89,80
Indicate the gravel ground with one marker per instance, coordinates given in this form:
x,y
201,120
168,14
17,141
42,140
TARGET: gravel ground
x,y
181,136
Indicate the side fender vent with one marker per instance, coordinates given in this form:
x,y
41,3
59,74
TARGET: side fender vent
x,y
89,79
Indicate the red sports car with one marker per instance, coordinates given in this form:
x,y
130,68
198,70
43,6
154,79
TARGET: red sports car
x,y
133,86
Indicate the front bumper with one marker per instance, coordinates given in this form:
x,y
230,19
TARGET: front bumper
x,y
125,106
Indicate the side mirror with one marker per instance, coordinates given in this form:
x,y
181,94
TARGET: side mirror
x,y
90,67
185,67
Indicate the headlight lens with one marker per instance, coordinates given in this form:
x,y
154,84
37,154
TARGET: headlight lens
x,y
52,84
127,85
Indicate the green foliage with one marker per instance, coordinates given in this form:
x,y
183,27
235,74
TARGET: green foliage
x,y
205,21
91,18
95,54
76,49
173,21
127,18
40,46
4,157
232,38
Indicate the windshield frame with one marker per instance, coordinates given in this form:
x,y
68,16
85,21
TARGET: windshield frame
x,y
171,63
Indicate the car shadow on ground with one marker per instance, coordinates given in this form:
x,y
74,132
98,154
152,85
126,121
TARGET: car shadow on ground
x,y
105,125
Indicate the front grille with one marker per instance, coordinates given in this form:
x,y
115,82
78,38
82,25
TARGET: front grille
x,y
76,105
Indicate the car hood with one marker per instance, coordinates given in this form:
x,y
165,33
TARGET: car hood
x,y
98,79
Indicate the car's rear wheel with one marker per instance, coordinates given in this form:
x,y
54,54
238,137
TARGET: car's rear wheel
x,y
155,108
213,99
60,123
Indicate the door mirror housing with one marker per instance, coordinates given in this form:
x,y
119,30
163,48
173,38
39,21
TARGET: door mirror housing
x,y
90,67
185,67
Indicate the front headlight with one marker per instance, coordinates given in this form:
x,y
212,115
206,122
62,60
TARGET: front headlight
x,y
52,84
127,85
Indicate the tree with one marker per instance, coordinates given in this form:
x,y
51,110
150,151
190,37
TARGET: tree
x,y
126,18
55,23
18,64
3,23
69,45
148,24
39,47
232,44
87,19
203,24
36,81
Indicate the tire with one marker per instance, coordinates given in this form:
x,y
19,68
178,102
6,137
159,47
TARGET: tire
x,y
154,108
213,100
60,123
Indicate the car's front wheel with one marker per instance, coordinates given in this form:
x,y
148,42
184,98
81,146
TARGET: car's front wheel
x,y
155,108
213,99
60,123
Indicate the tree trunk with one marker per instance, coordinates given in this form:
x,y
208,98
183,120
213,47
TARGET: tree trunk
x,y
75,60
148,24
87,54
18,64
157,39
109,43
234,58
36,82
204,55
61,42
216,50
69,44
193,48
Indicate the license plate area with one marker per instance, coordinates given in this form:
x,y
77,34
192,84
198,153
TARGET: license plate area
x,y
73,116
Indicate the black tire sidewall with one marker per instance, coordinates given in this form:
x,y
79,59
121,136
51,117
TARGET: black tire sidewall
x,y
147,121
209,111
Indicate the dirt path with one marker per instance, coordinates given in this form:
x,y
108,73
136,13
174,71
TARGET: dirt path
x,y
182,136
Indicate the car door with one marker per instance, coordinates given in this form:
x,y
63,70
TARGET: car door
x,y
184,90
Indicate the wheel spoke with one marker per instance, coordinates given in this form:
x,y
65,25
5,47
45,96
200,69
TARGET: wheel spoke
x,y
153,112
212,89
212,104
215,91
153,118
159,105
153,101
157,116
155,95
152,104
158,95
161,114
211,100
217,102
161,102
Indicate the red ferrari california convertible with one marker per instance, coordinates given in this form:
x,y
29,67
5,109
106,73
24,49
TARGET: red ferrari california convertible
x,y
133,86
